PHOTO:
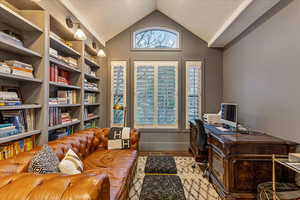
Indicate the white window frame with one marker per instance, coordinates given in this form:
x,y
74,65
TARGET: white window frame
x,y
178,44
156,64
117,64
189,64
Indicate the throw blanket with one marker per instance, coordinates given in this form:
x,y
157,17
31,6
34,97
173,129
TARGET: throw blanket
x,y
119,138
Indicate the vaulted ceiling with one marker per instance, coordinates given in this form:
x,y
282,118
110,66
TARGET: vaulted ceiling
x,y
208,19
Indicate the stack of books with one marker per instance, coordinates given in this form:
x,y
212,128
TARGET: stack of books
x,y
90,71
59,133
89,98
66,118
59,75
7,130
4,68
20,69
64,97
57,117
88,114
57,101
14,148
90,85
21,120
9,99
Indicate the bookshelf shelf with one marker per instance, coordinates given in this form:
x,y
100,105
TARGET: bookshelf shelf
x,y
20,50
64,105
63,65
91,63
91,118
60,46
19,136
16,20
61,85
91,90
18,78
51,128
20,107
91,104
88,76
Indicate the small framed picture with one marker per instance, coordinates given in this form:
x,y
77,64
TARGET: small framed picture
x,y
13,89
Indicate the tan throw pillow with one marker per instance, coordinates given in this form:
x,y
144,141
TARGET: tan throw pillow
x,y
71,164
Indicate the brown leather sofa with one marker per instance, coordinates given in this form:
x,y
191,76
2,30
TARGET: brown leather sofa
x,y
108,174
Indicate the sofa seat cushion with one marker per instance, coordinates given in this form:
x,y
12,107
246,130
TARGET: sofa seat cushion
x,y
110,159
118,180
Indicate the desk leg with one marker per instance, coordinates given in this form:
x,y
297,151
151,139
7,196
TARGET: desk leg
x,y
273,177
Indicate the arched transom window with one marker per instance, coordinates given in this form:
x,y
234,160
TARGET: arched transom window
x,y
156,38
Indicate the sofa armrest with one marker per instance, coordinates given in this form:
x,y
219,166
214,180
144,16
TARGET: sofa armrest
x,y
101,138
88,185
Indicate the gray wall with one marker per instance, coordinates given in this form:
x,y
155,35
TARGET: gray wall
x,y
261,72
193,48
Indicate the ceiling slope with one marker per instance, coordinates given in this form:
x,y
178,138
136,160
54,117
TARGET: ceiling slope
x,y
216,21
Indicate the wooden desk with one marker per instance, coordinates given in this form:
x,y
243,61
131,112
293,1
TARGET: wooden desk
x,y
239,162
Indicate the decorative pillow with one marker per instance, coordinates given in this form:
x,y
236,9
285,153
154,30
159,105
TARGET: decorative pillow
x,y
71,164
119,138
44,162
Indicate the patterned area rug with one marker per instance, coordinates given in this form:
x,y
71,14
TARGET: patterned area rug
x,y
195,186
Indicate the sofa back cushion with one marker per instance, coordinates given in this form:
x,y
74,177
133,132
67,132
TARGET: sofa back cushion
x,y
82,143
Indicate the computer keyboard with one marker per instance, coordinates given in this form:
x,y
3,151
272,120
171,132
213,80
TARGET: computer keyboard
x,y
222,129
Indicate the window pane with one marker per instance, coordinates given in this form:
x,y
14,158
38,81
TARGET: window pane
x,y
118,92
166,95
156,39
145,95
156,94
194,91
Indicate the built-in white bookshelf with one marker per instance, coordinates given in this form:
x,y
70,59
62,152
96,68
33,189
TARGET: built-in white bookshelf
x,y
38,26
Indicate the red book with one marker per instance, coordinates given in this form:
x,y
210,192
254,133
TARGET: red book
x,y
51,72
56,73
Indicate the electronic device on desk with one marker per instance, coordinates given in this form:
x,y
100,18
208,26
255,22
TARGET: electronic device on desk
x,y
212,118
228,117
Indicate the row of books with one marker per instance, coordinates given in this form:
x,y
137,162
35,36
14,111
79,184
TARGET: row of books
x,y
62,132
90,124
90,85
14,148
90,98
56,117
16,68
59,75
64,97
14,122
9,99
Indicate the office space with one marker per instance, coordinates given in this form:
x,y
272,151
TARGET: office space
x,y
242,72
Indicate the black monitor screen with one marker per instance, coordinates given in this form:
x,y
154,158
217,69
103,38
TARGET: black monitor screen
x,y
228,112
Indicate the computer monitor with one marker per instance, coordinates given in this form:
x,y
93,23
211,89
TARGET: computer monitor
x,y
229,114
